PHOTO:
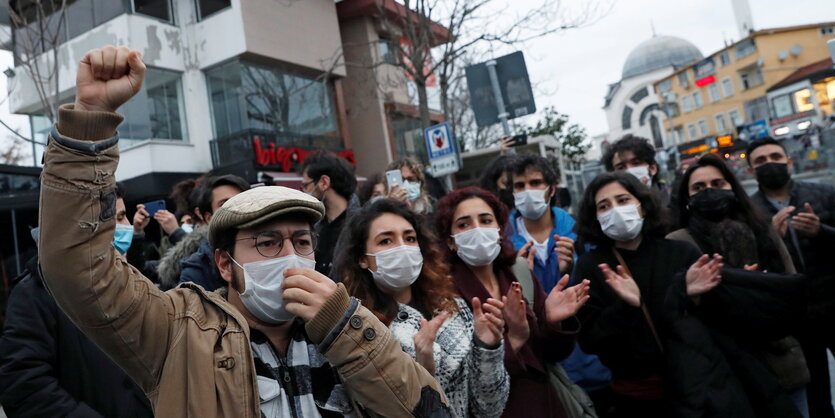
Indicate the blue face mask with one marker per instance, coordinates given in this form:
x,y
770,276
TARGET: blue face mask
x,y
123,237
412,190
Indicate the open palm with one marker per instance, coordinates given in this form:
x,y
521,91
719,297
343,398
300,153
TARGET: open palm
x,y
564,303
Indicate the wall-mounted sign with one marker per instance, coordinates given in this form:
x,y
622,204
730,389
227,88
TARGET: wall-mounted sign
x,y
286,159
704,68
705,81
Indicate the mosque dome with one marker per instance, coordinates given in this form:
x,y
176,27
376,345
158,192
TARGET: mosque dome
x,y
659,52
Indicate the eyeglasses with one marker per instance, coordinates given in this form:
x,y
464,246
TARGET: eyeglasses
x,y
304,185
270,243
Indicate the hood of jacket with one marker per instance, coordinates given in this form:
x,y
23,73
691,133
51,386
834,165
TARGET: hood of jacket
x,y
169,266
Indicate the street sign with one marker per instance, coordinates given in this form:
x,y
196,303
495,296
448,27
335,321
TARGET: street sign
x,y
514,83
441,150
752,131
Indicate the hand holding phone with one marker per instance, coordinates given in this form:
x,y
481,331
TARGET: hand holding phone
x,y
517,140
153,207
394,178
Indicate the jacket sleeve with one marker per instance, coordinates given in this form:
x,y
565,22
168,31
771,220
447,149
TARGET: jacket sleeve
x,y
489,382
29,384
380,377
111,302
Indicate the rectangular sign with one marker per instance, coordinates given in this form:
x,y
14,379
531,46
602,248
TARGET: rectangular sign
x,y
514,83
441,150
704,68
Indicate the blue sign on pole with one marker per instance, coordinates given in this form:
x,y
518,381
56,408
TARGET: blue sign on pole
x,y
752,131
441,149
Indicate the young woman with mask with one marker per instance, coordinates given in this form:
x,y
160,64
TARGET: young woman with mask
x,y
631,268
717,216
390,261
413,191
472,220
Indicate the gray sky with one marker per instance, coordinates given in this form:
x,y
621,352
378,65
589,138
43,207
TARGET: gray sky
x,y
571,70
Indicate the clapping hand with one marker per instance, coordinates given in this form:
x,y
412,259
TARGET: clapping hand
x,y
623,284
488,321
563,303
425,341
704,275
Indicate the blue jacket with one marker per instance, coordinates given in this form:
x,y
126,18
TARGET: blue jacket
x,y
584,369
547,273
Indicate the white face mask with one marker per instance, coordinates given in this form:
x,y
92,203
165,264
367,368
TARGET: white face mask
x,y
531,203
641,173
398,267
263,295
189,228
478,246
621,223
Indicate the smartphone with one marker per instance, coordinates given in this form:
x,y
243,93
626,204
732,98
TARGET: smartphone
x,y
521,139
153,207
394,178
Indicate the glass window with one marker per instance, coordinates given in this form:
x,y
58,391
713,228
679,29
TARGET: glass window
x,y
685,103
626,118
80,17
782,106
727,86
745,48
639,95
684,79
803,100
691,130
750,77
206,8
665,85
156,112
104,10
40,127
703,127
720,123
697,99
159,9
387,54
725,58
248,96
713,92
733,114
408,137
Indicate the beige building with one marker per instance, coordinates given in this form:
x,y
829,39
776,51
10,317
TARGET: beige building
x,y
722,97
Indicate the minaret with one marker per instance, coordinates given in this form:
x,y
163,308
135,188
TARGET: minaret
x,y
744,19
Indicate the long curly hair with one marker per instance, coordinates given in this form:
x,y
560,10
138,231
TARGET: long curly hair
x,y
446,210
432,292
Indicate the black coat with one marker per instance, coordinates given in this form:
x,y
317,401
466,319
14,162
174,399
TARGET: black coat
x,y
712,368
48,368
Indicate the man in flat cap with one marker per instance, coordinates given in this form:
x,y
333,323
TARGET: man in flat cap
x,y
280,340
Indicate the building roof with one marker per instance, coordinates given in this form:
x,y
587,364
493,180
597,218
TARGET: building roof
x,y
395,13
822,68
769,31
659,52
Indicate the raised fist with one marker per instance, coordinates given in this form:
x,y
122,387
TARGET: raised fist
x,y
107,78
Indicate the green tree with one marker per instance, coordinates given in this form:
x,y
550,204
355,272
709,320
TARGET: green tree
x,y
571,136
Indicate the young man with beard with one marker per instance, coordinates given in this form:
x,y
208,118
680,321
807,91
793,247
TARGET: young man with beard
x,y
280,340
803,213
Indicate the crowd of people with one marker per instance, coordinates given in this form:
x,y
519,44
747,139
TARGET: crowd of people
x,y
378,299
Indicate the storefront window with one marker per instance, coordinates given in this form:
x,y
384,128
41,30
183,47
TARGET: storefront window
x,y
803,100
248,96
782,106
408,137
156,112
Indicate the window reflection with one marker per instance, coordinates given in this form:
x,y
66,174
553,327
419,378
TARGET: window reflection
x,y
249,96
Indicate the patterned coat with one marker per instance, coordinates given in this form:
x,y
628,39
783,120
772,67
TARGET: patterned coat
x,y
473,377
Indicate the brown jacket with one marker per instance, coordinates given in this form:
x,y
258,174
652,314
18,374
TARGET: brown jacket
x,y
187,348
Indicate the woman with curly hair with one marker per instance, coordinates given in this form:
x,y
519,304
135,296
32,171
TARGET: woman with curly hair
x,y
632,269
472,220
389,261
413,191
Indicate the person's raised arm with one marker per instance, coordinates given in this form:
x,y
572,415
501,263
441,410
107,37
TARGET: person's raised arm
x,y
120,310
